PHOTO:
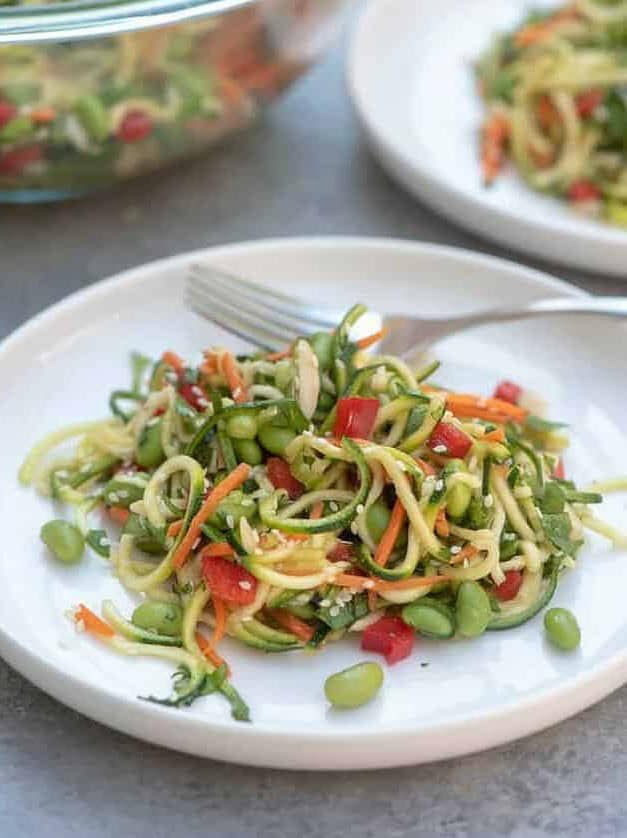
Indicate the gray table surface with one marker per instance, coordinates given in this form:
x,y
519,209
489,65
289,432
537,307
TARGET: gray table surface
x,y
303,170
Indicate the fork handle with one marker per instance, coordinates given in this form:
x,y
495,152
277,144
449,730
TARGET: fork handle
x,y
610,306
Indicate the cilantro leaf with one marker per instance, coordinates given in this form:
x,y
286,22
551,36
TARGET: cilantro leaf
x,y
558,529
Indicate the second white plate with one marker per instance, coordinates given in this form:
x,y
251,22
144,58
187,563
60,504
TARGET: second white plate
x,y
411,78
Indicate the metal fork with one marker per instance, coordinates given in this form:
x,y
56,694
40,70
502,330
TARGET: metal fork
x,y
271,320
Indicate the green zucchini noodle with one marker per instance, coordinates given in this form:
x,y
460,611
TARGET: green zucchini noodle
x,y
554,90
284,500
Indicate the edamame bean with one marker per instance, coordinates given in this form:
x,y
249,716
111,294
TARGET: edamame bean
x,y
123,491
472,609
430,617
354,686
93,116
283,374
377,519
242,427
248,451
275,440
322,345
562,629
161,617
64,540
149,449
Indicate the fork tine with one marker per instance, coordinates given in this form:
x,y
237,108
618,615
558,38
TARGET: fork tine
x,y
233,321
283,307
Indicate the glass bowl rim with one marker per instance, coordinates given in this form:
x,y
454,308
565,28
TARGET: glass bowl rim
x,y
78,20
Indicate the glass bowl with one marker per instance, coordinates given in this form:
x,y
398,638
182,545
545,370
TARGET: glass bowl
x,y
92,93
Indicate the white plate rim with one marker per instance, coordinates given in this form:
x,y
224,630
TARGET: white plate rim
x,y
592,248
274,747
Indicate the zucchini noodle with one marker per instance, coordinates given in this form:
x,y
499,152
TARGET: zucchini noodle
x,y
281,516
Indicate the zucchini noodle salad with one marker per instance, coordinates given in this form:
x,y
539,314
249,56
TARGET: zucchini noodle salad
x,y
285,499
555,91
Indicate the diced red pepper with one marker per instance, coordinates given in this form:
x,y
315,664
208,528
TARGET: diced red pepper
x,y
118,514
389,636
507,391
195,396
281,477
135,126
229,581
15,161
449,441
509,588
343,551
583,190
588,102
7,112
559,470
355,417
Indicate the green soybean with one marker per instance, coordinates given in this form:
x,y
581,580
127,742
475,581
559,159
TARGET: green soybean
x,y
378,519
233,508
430,617
562,629
161,617
93,116
149,449
472,609
248,451
242,427
322,345
354,686
275,440
64,540
121,491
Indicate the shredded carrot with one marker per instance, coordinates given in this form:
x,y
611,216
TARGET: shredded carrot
x,y
364,343
173,360
316,511
118,514
388,539
372,600
175,528
220,548
93,624
426,467
468,551
469,406
210,364
211,655
220,611
497,435
534,33
278,356
364,583
494,136
43,115
233,377
299,628
231,481
441,524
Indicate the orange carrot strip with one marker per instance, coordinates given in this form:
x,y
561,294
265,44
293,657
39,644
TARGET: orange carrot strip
x,y
118,514
364,343
388,539
210,364
441,524
93,624
468,551
233,378
219,609
372,600
497,435
231,481
288,621
43,115
278,356
364,583
205,647
493,139
173,360
316,511
426,467
175,528
220,548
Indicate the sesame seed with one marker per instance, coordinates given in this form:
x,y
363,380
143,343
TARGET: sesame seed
x,y
440,449
245,585
196,543
368,584
196,390
151,422
123,494
103,541
488,501
334,612
246,618
354,528
360,508
333,506
439,485
113,497
509,536
230,521
455,549
85,468
466,563
258,551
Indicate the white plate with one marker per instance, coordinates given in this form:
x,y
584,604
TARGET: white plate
x,y
61,366
411,79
